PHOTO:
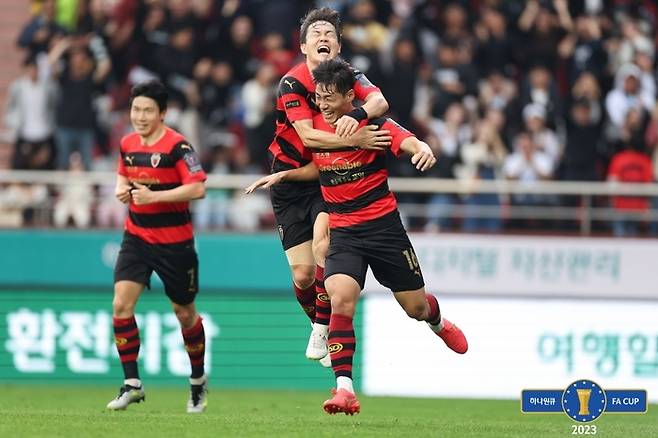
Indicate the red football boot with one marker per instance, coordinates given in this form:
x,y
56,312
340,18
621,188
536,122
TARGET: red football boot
x,y
453,337
342,401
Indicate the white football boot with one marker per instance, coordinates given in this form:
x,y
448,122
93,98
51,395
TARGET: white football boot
x,y
127,394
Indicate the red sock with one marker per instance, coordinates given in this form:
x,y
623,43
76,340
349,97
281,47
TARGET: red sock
x,y
322,302
195,344
435,314
306,299
126,338
342,344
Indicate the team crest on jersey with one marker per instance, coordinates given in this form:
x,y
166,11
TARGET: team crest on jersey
x,y
155,159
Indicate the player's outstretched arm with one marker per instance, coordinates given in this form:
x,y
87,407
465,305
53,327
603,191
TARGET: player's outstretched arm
x,y
367,137
421,154
375,105
305,173
142,195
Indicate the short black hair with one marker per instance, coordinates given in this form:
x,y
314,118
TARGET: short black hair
x,y
336,73
323,14
153,89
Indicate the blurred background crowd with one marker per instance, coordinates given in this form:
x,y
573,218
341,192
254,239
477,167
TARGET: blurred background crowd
x,y
524,90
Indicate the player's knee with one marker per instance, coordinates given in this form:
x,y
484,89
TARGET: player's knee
x,y
303,276
122,308
417,311
341,304
185,316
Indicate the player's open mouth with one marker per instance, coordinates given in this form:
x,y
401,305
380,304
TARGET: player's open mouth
x,y
324,49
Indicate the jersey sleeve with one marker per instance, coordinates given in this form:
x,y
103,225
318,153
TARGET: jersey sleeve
x,y
121,165
188,163
362,86
398,134
292,95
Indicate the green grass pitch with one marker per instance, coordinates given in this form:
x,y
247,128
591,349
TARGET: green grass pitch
x,y
59,411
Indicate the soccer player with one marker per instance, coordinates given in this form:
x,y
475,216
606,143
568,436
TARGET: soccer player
x,y
366,230
158,174
300,213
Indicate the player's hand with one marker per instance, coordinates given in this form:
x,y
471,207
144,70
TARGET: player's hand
x,y
265,182
122,193
141,194
346,126
372,138
424,158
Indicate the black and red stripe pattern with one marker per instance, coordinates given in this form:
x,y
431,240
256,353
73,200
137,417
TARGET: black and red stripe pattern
x,y
194,339
126,338
342,344
306,299
355,181
296,101
164,165
322,301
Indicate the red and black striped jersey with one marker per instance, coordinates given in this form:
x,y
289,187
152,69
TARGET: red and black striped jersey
x,y
354,181
164,165
296,101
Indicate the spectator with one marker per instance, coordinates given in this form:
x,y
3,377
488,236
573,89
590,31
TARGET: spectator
x,y
534,116
30,115
483,160
39,32
627,94
258,95
214,83
448,136
495,49
527,164
78,75
584,49
630,164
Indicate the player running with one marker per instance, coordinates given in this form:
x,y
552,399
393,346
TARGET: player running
x,y
158,174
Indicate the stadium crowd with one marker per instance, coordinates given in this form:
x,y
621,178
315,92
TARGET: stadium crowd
x,y
523,90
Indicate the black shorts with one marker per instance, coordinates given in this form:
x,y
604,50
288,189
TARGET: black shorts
x,y
176,264
295,215
383,245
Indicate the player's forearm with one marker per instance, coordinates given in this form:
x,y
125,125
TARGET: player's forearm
x,y
375,105
315,138
305,173
411,145
185,192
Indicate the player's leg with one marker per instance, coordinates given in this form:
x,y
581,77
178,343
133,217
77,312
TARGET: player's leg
x,y
394,264
422,306
317,343
302,269
179,270
194,339
131,274
345,277
344,292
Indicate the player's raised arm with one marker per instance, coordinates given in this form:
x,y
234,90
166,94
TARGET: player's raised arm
x,y
421,153
305,173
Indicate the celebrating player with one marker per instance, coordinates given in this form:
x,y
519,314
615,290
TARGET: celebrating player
x,y
298,207
158,174
366,229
